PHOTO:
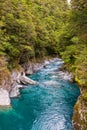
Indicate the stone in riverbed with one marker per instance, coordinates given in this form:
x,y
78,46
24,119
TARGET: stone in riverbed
x,y
25,80
4,97
46,62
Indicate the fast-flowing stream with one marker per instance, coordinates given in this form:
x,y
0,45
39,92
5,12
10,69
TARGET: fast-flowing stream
x,y
45,106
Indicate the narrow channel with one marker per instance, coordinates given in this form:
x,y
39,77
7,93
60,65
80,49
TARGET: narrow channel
x,y
48,105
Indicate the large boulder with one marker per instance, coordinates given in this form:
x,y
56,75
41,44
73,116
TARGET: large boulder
x,y
4,97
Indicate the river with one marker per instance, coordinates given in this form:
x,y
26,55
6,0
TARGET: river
x,y
48,105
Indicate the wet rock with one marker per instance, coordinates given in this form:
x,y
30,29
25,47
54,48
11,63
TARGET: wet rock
x,y
62,68
66,76
18,78
31,68
4,97
15,90
37,67
55,60
25,80
12,83
46,62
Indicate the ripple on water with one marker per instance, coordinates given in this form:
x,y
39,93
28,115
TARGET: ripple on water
x,y
51,83
45,106
51,121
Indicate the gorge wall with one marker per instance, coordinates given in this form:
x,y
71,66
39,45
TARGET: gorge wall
x,y
80,111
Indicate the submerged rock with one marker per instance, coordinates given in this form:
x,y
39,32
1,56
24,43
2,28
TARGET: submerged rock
x,y
4,97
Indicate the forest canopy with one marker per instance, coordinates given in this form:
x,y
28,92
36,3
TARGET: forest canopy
x,y
38,28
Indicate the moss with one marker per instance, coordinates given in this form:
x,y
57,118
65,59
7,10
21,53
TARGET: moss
x,y
85,96
78,80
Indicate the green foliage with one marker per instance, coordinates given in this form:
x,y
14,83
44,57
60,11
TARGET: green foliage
x,y
69,54
74,36
81,65
85,97
30,28
37,28
75,40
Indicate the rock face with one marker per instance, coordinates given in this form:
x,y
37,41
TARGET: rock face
x,y
28,68
37,67
10,86
19,78
4,97
80,113
14,92
32,68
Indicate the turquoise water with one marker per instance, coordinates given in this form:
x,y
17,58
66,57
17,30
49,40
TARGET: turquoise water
x,y
45,106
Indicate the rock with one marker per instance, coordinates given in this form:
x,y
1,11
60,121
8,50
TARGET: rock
x,y
80,111
55,60
19,77
15,75
25,80
66,76
46,62
29,69
58,59
32,68
62,68
37,67
4,97
15,90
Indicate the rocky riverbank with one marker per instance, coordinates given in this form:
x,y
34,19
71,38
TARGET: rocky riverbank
x,y
11,83
79,118
16,79
10,89
80,111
